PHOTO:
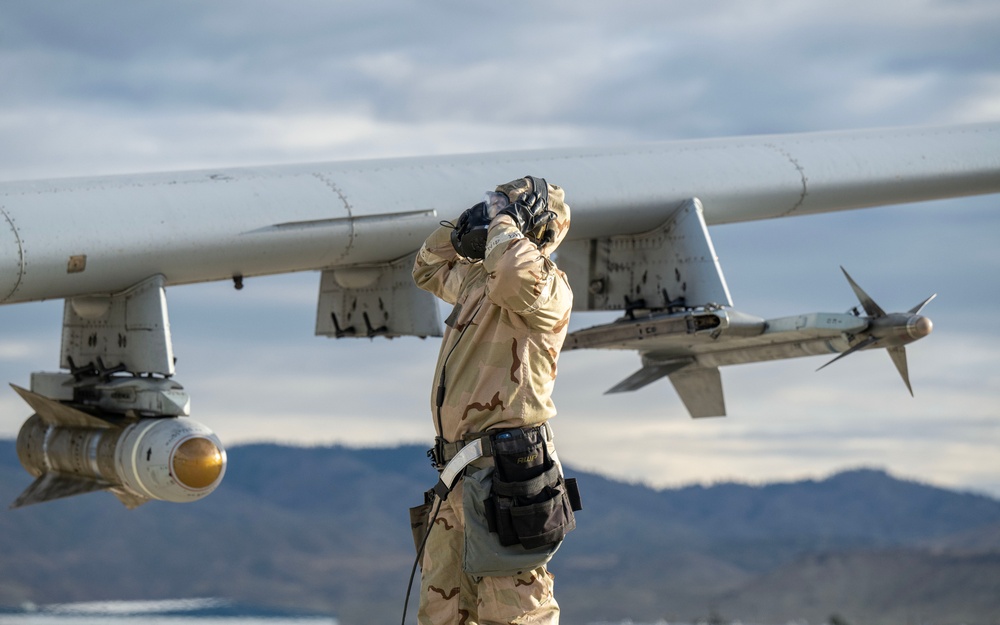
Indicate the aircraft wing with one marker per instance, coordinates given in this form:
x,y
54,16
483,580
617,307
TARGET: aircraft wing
x,y
66,238
639,243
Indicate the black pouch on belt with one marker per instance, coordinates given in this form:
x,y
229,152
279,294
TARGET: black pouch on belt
x,y
420,520
530,504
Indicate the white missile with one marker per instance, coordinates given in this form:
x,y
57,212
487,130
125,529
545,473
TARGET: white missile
x,y
71,452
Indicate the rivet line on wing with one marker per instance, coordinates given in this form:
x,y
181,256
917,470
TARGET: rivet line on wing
x,y
20,255
802,176
347,206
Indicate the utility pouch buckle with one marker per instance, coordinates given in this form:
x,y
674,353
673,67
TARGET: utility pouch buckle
x,y
443,452
436,454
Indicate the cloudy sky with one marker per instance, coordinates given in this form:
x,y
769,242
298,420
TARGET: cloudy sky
x,y
110,87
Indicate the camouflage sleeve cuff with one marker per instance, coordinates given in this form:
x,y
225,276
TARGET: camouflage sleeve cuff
x,y
502,231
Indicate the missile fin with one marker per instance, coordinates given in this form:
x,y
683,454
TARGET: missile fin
x,y
874,310
53,412
128,498
700,388
647,375
868,342
916,309
898,355
56,486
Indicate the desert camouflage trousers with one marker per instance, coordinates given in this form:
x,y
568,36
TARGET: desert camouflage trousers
x,y
448,596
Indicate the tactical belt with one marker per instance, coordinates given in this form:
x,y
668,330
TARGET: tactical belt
x,y
450,459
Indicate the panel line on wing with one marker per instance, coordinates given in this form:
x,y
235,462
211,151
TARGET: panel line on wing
x,y
16,254
340,221
802,176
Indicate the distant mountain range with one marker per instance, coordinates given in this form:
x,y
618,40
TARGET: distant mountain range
x,y
326,530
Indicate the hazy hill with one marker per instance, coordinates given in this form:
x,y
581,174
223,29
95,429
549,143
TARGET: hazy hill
x,y
326,529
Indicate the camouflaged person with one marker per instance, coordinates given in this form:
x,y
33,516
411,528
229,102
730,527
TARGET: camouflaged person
x,y
496,371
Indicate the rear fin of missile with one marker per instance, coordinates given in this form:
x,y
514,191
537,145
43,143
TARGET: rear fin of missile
x,y
56,486
53,412
647,375
700,389
130,499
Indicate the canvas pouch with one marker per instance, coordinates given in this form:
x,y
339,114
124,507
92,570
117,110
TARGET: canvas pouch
x,y
518,511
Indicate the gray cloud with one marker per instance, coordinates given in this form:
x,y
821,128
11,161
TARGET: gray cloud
x,y
653,69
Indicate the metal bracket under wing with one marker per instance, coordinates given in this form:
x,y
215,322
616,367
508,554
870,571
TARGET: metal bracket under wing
x,y
674,265
376,300
129,330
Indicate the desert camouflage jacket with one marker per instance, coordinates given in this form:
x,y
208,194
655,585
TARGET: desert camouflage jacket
x,y
502,340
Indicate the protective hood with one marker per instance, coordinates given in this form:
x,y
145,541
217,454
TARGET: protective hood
x,y
557,204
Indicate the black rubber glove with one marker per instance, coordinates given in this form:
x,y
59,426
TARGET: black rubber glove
x,y
530,213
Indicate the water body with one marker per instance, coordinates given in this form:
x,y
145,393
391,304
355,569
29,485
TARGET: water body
x,y
202,611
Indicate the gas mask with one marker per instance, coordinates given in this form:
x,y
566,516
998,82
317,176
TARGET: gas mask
x,y
468,236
